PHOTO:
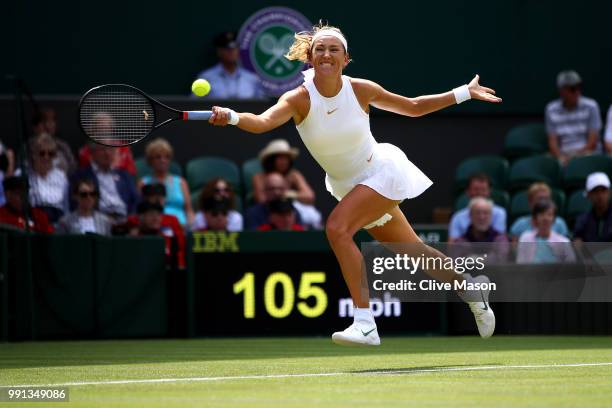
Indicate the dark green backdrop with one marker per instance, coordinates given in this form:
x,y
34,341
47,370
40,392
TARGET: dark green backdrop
x,y
517,46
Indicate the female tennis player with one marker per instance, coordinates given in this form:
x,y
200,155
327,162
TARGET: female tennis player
x,y
369,179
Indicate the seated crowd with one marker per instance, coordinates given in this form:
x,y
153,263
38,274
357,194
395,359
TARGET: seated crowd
x,y
484,222
102,195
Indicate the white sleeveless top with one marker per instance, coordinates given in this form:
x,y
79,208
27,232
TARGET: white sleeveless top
x,y
336,131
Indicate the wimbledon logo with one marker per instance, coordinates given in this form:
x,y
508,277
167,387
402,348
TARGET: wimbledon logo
x,y
264,39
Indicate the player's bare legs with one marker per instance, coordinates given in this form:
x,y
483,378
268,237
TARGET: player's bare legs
x,y
359,207
398,230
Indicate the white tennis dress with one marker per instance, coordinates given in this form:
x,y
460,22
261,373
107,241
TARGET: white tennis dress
x,y
337,134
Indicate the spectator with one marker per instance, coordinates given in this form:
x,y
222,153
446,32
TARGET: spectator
x,y
573,121
228,80
12,213
86,219
150,223
278,157
480,228
156,194
7,167
122,160
542,244
216,213
275,188
537,191
608,132
480,231
178,199
118,195
281,217
48,184
44,122
218,188
478,186
596,224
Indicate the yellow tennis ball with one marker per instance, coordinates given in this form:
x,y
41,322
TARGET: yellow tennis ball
x,y
200,87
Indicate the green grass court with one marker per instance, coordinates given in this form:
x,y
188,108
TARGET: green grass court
x,y
312,372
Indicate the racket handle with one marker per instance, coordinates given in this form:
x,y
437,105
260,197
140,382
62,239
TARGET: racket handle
x,y
205,115
197,115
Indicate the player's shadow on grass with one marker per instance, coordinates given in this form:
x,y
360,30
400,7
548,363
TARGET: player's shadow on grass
x,y
422,369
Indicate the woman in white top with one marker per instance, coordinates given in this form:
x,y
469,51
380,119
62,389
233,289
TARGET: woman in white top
x,y
369,179
48,184
541,244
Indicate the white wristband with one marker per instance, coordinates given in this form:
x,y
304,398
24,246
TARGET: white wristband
x,y
233,117
462,94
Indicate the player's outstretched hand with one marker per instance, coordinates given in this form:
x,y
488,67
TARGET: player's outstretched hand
x,y
483,93
220,116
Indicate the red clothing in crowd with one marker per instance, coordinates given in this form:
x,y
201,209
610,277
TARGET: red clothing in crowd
x,y
270,227
124,161
38,223
170,229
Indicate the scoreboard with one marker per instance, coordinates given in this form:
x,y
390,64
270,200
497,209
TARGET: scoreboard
x,y
285,283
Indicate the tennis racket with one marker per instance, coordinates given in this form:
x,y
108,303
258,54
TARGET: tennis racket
x,y
121,115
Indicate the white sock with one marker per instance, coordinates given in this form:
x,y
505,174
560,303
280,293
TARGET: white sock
x,y
363,315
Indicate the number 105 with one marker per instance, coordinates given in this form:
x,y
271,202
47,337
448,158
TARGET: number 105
x,y
307,288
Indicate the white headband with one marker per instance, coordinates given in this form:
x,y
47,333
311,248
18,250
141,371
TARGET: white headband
x,y
332,33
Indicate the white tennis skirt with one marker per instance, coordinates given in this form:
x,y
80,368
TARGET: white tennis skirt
x,y
389,173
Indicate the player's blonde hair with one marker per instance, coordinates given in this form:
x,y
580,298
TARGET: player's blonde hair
x,y
302,44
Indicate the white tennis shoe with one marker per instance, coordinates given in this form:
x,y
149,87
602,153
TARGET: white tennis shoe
x,y
357,334
479,305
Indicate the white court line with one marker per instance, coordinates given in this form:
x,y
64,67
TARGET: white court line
x,y
273,376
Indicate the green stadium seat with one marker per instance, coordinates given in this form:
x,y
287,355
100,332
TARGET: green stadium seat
x,y
577,204
579,168
203,169
499,197
495,167
143,169
525,140
520,205
528,170
249,169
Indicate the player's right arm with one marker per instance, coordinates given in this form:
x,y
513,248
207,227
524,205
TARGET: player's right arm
x,y
272,118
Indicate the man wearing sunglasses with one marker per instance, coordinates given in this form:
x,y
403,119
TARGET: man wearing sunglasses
x,y
573,121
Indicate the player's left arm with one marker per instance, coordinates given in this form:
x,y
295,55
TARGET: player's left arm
x,y
422,105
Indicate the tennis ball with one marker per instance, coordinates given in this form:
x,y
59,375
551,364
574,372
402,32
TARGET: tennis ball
x,y
200,87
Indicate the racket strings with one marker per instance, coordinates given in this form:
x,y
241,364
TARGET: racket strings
x,y
116,115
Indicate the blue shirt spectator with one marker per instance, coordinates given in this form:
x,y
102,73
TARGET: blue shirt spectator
x,y
7,160
228,80
537,192
478,186
118,195
275,188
